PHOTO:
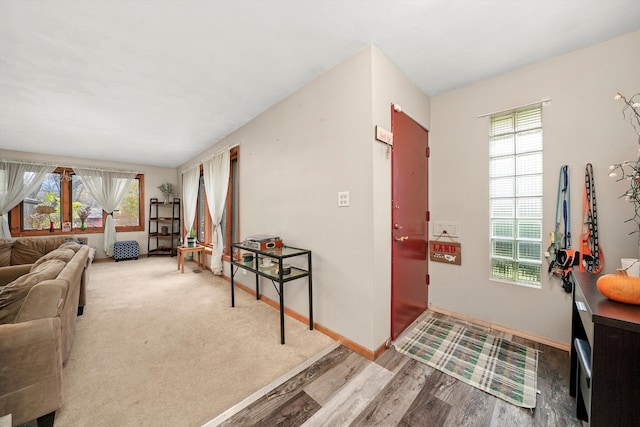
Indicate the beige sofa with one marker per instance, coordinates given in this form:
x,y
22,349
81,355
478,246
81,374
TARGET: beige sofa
x,y
39,303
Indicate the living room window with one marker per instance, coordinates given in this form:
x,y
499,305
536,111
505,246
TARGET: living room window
x,y
43,205
64,192
126,217
515,171
230,217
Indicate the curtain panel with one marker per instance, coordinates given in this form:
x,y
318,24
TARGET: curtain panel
x,y
109,188
216,184
190,185
17,181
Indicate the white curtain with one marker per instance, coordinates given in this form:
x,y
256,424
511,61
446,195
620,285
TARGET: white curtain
x,y
109,189
216,183
17,181
190,185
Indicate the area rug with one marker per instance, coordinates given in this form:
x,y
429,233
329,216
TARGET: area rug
x,y
500,367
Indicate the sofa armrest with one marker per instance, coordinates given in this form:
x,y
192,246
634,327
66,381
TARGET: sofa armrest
x,y
10,273
43,300
31,369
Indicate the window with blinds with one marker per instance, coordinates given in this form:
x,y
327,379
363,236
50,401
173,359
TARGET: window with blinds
x,y
515,173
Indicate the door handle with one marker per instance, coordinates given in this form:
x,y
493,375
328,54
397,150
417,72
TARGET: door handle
x,y
397,226
401,239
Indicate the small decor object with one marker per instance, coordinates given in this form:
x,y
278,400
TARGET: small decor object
x,y
191,239
46,210
83,214
167,191
66,227
620,287
445,252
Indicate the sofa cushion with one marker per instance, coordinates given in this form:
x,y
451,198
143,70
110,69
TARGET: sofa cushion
x,y
63,254
27,250
5,252
75,246
12,296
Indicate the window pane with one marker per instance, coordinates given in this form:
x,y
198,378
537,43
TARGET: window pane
x,y
502,124
501,187
501,146
529,119
530,230
501,166
529,163
502,249
502,228
530,185
529,208
502,208
529,273
516,190
80,197
43,205
235,218
530,251
502,269
529,141
201,210
128,211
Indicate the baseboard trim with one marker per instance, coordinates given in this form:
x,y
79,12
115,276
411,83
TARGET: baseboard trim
x,y
353,346
498,327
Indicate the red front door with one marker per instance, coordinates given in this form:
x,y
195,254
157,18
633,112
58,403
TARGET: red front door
x,y
409,268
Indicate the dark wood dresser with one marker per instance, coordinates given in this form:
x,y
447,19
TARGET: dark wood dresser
x,y
605,356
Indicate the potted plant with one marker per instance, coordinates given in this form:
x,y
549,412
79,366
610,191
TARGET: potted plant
x,y
629,170
167,191
191,239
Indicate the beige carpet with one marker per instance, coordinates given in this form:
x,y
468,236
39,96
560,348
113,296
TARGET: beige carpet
x,y
159,348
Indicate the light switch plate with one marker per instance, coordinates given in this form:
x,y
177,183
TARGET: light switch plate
x,y
344,198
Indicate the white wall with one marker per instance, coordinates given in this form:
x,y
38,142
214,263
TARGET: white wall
x,y
583,124
296,157
153,177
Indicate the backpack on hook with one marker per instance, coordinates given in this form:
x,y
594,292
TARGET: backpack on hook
x,y
562,257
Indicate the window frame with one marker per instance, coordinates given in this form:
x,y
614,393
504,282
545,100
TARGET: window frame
x,y
515,259
66,203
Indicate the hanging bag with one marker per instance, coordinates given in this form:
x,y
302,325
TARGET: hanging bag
x,y
562,256
591,255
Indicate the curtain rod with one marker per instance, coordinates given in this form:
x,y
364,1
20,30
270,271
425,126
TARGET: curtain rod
x,y
27,162
222,150
544,102
96,168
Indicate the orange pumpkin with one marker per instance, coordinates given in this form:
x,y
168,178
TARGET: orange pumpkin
x,y
620,287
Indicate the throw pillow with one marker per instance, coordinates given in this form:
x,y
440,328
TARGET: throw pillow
x,y
12,296
63,254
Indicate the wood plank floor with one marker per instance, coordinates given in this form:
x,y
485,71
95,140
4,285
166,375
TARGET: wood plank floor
x,y
346,389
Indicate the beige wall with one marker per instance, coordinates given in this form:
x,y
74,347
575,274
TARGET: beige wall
x,y
153,177
583,124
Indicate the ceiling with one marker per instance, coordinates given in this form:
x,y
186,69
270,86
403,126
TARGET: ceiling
x,y
157,82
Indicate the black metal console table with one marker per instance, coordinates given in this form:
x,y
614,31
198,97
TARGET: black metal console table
x,y
274,272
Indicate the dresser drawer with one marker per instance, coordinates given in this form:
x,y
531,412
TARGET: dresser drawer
x,y
585,313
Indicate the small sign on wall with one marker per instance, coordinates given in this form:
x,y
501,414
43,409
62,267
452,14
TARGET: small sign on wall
x,y
446,252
